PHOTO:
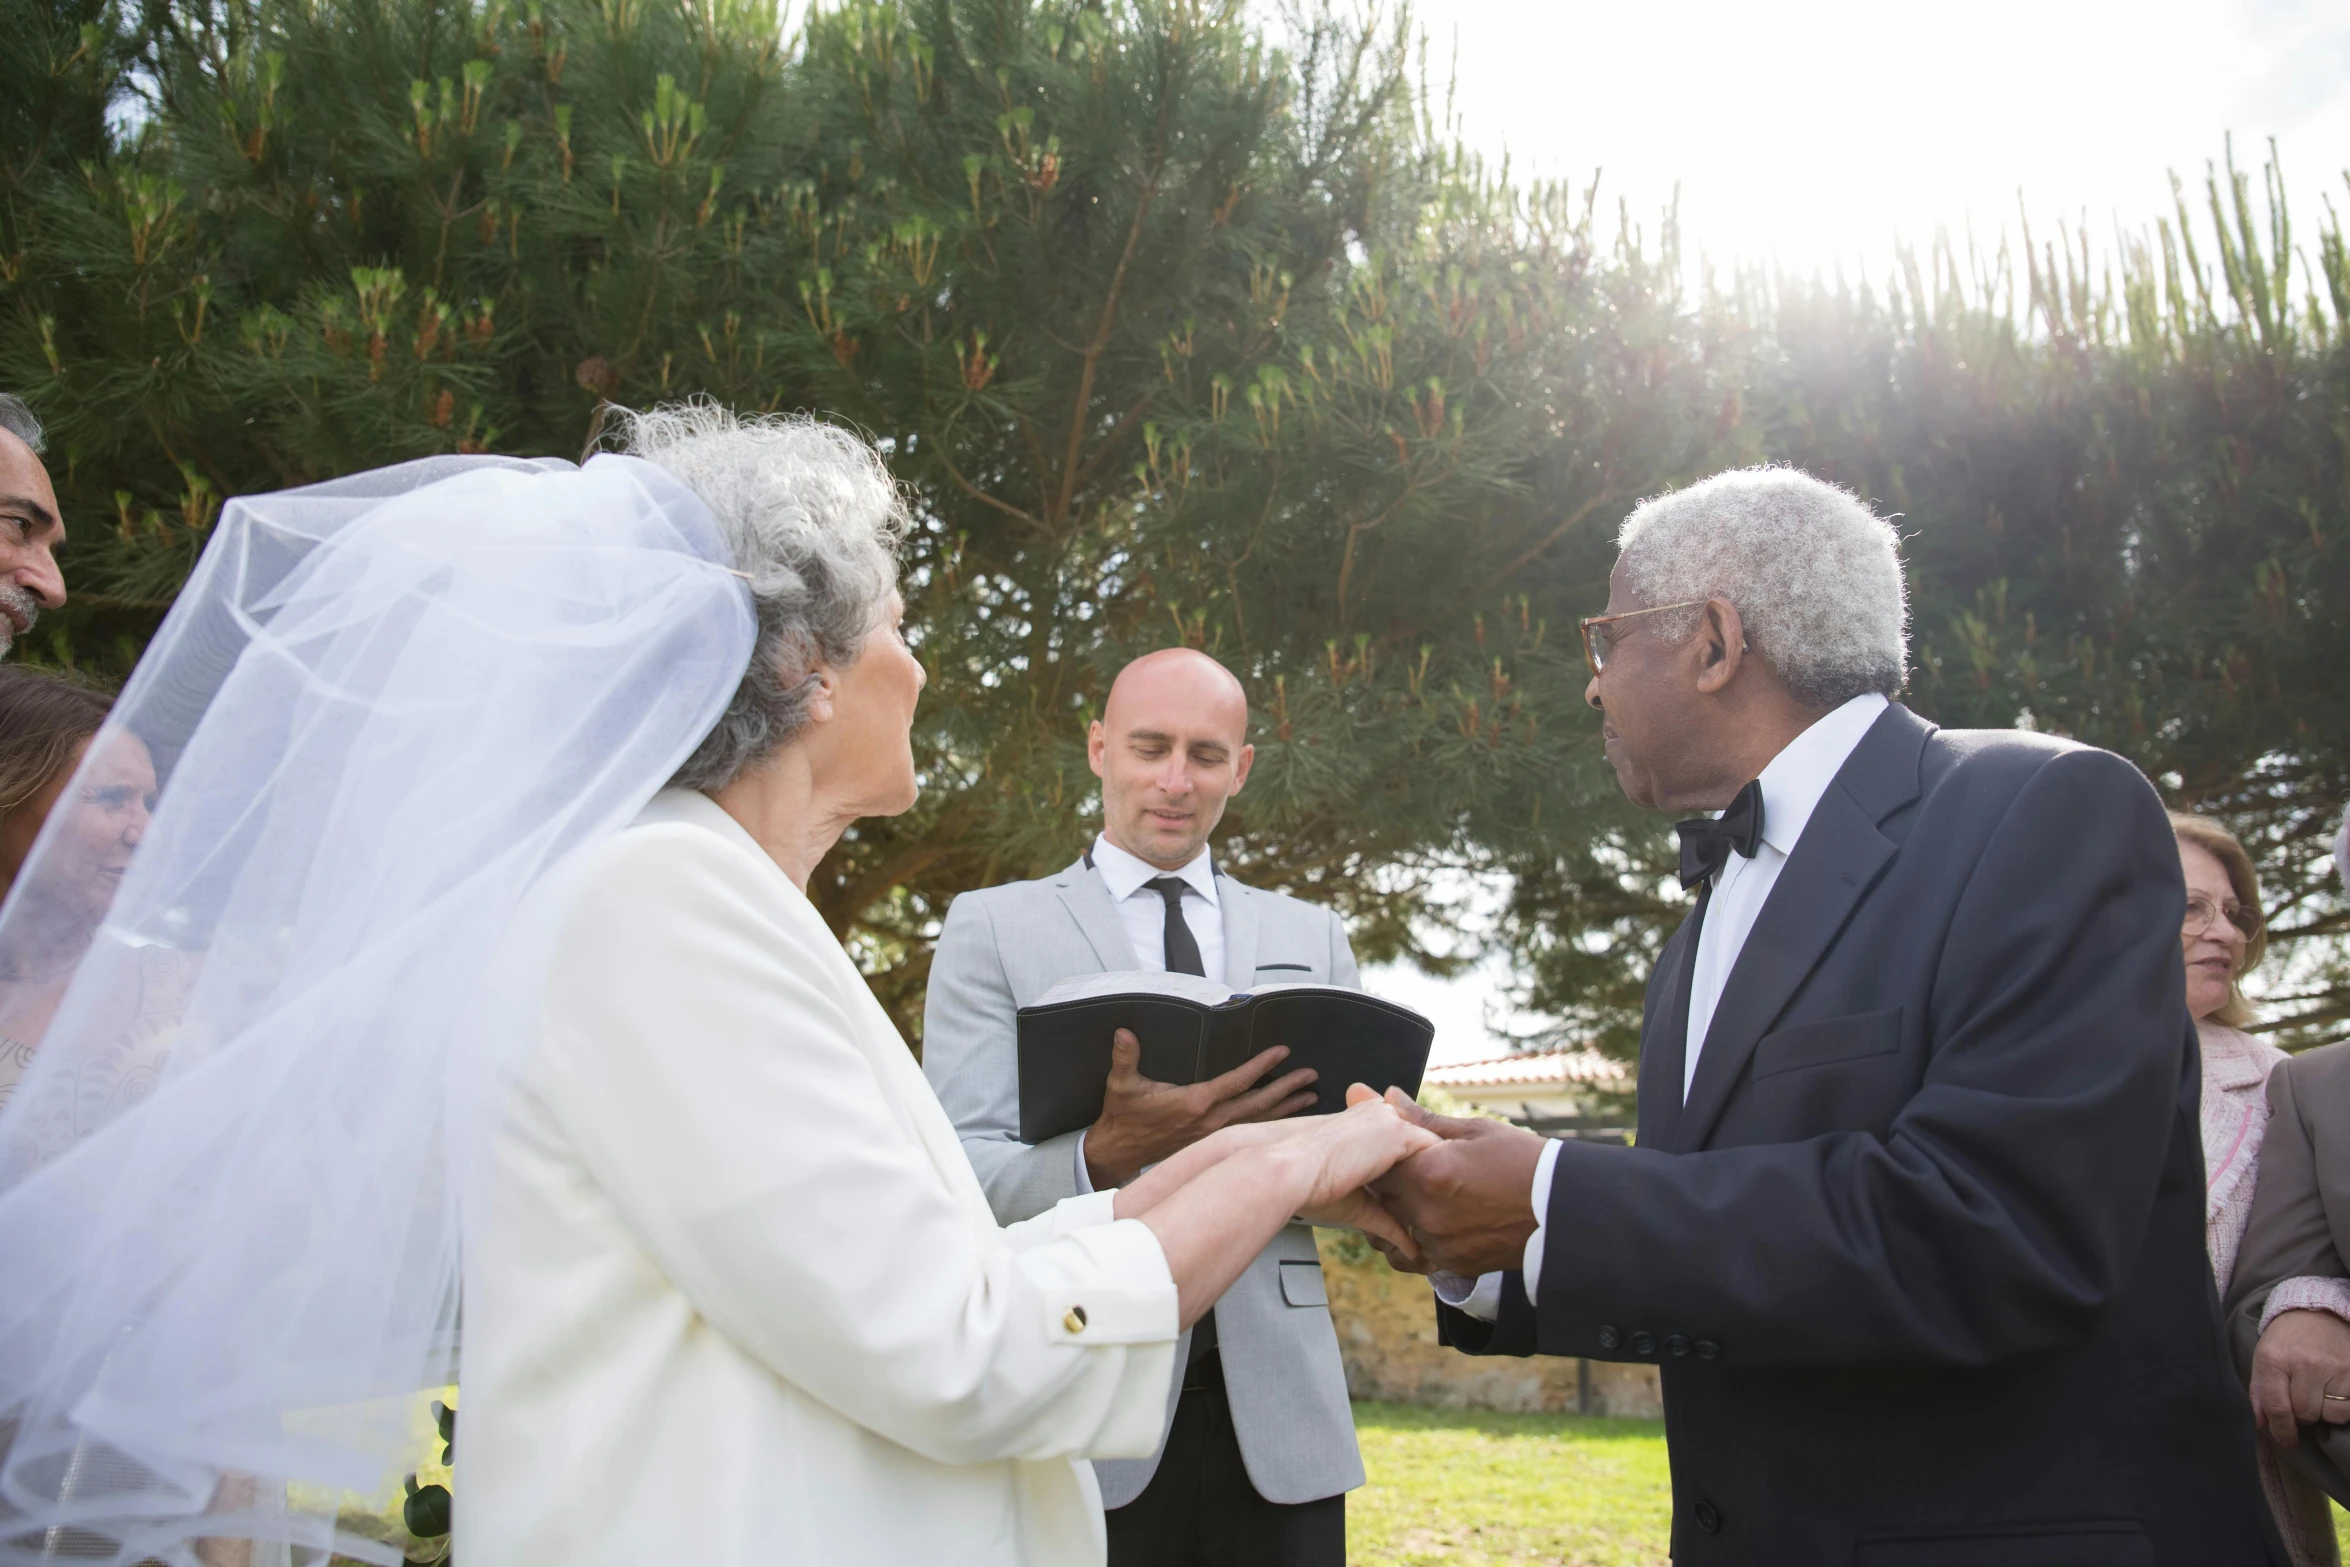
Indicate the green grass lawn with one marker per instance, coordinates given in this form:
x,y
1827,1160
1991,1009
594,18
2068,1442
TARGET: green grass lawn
x,y
1468,1488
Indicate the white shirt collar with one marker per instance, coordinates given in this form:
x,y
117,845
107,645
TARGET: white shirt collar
x,y
1124,874
1800,774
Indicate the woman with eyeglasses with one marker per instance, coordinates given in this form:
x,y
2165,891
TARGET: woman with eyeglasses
x,y
2222,938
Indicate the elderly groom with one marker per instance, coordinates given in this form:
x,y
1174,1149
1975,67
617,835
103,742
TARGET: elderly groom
x,y
1914,1222
1259,1450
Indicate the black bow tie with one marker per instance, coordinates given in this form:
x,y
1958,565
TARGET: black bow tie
x,y
1706,843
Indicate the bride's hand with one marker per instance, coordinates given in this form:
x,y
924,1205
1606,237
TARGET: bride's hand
x,y
1342,1154
1358,1145
1361,1209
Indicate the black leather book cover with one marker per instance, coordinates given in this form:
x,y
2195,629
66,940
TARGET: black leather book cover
x,y
1193,1029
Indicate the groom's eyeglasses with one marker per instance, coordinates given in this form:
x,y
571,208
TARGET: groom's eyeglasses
x,y
1600,637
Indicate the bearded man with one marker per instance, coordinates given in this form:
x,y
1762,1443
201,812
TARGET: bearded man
x,y
30,529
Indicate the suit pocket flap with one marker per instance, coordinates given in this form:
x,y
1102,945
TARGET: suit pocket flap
x,y
1302,1284
1831,1039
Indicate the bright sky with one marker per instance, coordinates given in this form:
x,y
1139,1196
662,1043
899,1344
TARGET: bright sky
x,y
1816,131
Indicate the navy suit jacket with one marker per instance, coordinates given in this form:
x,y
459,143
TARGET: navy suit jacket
x,y
1921,1258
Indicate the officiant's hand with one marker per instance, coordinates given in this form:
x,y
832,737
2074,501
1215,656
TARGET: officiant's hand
x,y
1469,1200
1144,1120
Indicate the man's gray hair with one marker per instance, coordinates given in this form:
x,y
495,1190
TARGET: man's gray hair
x,y
1815,576
814,519
18,420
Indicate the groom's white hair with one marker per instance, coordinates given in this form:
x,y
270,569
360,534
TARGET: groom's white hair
x,y
1814,573
813,520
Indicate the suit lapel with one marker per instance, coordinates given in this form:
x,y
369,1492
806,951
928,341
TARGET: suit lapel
x,y
1839,857
1239,909
1665,1049
902,1084
1081,892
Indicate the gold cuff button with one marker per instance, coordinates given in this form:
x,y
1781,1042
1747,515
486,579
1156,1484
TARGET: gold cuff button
x,y
1074,1319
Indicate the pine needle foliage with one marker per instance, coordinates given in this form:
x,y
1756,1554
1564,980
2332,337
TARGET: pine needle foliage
x,y
1176,334
1173,335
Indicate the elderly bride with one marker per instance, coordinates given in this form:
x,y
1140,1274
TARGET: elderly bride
x,y
494,794
736,1293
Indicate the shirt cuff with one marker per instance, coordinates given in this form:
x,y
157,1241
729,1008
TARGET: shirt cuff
x,y
1084,1177
1106,1284
1480,1297
1083,1211
2308,1293
1541,1200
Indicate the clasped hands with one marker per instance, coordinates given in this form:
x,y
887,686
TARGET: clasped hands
x,y
1464,1204
1431,1192
1459,1199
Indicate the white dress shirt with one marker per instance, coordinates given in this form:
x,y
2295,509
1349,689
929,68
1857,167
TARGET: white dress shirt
x,y
1791,788
1144,914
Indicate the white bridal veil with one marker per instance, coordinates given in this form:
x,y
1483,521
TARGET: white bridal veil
x,y
228,1233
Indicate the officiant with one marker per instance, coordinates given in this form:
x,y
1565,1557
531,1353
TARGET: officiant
x,y
1259,1450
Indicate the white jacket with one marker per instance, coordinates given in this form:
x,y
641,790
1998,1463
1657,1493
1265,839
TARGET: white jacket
x,y
732,1292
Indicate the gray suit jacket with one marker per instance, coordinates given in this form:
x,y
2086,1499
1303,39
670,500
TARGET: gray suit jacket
x,y
2299,1228
1005,946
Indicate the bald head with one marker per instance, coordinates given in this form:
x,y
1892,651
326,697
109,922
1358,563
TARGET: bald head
x,y
1180,678
1170,748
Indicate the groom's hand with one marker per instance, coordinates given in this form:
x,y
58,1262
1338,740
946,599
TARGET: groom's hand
x,y
1469,1200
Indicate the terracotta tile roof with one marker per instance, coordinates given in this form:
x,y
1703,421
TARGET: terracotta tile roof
x,y
1535,1068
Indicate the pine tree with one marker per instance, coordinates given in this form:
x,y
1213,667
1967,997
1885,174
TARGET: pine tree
x,y
1173,335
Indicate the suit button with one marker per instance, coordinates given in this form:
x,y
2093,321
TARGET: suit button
x,y
1707,1349
1708,1516
1644,1343
1677,1347
1609,1338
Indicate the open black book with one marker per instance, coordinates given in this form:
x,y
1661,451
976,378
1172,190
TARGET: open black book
x,y
1193,1029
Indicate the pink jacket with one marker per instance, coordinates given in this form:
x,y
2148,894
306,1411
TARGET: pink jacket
x,y
2235,1113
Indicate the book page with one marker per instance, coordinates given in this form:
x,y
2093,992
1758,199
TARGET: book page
x,y
1138,982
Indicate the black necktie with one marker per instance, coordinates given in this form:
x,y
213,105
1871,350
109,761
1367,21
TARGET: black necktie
x,y
1706,843
1182,951
1183,958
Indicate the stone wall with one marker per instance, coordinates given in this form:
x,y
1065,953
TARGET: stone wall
x,y
1387,1336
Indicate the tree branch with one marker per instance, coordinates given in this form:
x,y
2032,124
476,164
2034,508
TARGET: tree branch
x,y
1566,525
1109,315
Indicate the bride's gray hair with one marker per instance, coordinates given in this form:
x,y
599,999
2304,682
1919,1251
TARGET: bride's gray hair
x,y
814,521
1815,574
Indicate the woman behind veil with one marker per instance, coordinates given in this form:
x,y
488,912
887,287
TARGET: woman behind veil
x,y
380,707
383,711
